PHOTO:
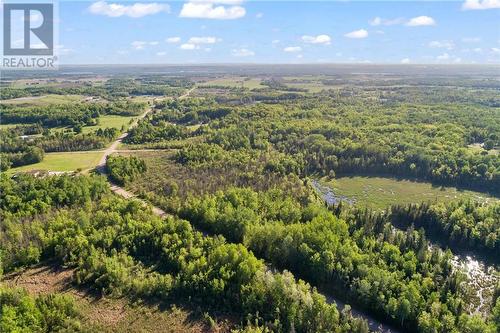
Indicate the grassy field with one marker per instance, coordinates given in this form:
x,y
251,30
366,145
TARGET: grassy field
x,y
109,121
42,100
378,192
6,126
312,87
68,161
235,82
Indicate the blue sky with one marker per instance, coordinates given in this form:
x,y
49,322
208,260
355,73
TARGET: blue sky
x,y
229,31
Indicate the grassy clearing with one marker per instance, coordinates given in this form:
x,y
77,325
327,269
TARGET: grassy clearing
x,y
105,121
7,126
476,147
68,161
102,314
109,121
378,192
312,87
42,100
236,82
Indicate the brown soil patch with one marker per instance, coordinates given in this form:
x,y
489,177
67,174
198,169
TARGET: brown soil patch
x,y
111,315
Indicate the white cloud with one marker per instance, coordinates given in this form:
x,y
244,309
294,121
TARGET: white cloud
x,y
443,44
421,21
405,61
292,49
141,45
194,43
138,44
275,41
319,39
242,52
447,58
361,33
259,15
173,40
495,50
471,39
480,4
220,2
376,21
444,56
160,54
478,50
136,10
188,46
209,10
203,40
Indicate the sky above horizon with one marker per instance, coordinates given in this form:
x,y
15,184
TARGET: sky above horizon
x,y
231,31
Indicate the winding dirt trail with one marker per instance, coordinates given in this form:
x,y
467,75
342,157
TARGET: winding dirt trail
x,y
113,148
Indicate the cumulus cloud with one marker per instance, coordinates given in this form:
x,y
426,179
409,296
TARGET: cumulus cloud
x,y
213,9
376,21
405,61
194,43
136,10
480,4
292,49
443,44
444,56
242,52
421,21
203,40
162,53
319,39
361,33
173,40
188,46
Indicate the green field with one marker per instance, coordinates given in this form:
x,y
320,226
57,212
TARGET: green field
x,y
42,100
6,126
109,121
68,161
379,193
236,82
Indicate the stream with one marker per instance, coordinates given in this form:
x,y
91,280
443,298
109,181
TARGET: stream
x,y
481,277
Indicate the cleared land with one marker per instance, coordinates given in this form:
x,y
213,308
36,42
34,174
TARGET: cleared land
x,y
235,83
104,314
108,121
379,192
43,100
68,161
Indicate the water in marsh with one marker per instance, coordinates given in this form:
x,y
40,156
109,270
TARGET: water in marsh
x,y
329,196
481,277
481,281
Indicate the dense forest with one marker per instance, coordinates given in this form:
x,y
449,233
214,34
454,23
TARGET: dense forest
x,y
339,136
390,272
118,248
464,225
